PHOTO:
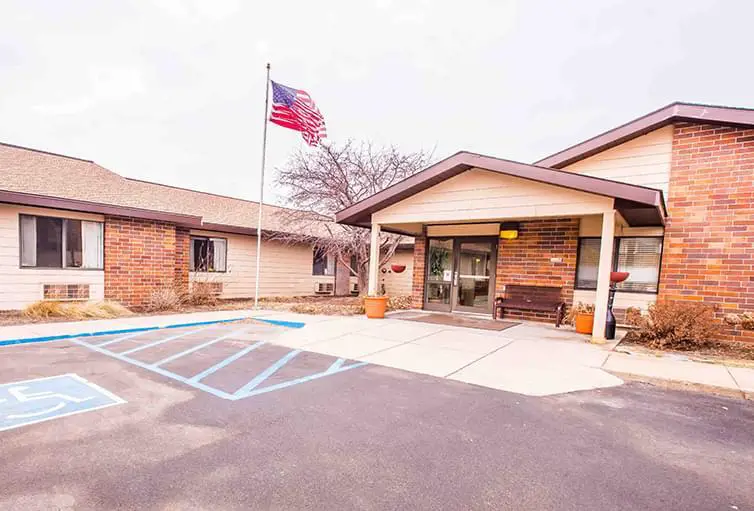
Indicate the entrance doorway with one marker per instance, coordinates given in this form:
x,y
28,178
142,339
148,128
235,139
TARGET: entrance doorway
x,y
460,274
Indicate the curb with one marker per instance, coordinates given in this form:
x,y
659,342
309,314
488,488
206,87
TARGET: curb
x,y
29,340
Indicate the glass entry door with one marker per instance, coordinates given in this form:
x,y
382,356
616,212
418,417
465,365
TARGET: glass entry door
x,y
475,275
460,274
439,274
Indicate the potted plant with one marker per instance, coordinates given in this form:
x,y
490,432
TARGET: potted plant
x,y
375,306
581,316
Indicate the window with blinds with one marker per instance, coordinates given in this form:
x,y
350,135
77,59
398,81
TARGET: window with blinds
x,y
640,257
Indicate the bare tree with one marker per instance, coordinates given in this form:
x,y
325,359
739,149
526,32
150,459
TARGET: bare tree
x,y
326,180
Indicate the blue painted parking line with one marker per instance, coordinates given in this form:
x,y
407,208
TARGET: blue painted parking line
x,y
27,402
225,362
48,338
252,388
161,341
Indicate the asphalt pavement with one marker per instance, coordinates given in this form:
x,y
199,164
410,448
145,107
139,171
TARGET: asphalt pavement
x,y
366,438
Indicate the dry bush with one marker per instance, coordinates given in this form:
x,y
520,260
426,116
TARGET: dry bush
x,y
164,299
202,293
677,325
75,310
633,316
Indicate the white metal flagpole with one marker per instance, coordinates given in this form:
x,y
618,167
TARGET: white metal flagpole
x,y
261,189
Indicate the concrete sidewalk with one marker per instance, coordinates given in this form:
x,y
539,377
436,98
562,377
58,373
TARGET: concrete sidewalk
x,y
531,358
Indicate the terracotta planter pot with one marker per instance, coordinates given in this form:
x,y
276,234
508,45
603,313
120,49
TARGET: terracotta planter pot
x,y
398,268
584,323
375,306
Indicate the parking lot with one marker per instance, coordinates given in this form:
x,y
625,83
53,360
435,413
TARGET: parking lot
x,y
220,416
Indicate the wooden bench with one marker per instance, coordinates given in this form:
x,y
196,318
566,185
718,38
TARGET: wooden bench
x,y
535,298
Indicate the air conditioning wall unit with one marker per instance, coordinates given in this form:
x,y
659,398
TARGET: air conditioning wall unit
x,y
324,288
354,288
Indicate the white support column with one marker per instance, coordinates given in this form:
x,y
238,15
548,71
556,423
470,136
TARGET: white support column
x,y
374,260
603,276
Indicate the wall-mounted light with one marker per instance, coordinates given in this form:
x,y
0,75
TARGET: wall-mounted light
x,y
509,231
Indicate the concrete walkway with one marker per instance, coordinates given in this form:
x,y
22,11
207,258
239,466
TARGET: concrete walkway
x,y
531,358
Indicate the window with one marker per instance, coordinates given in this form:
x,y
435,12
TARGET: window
x,y
208,254
586,267
322,264
638,256
354,266
641,258
48,242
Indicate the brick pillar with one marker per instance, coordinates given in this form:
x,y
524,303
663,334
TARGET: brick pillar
x,y
417,285
181,266
139,258
709,237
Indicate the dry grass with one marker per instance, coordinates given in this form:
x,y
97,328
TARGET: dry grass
x,y
75,310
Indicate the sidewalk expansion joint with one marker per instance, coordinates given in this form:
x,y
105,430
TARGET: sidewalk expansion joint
x,y
480,358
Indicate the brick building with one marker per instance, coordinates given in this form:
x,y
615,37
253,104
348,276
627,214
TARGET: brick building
x,y
72,230
668,197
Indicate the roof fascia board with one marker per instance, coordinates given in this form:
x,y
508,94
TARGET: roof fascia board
x,y
43,201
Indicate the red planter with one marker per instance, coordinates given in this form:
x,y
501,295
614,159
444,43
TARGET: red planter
x,y
398,268
618,276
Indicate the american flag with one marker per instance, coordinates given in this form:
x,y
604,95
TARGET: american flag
x,y
294,109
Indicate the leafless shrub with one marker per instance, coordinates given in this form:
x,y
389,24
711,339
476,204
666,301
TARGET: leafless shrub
x,y
633,316
677,325
203,293
164,299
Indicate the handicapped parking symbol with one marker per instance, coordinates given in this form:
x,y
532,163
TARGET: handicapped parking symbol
x,y
31,401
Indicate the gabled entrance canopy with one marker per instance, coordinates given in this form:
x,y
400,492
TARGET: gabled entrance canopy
x,y
638,205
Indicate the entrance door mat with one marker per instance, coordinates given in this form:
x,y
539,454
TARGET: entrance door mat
x,y
455,320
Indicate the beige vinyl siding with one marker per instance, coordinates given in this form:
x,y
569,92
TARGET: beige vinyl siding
x,y
399,284
644,161
21,286
483,195
492,229
286,270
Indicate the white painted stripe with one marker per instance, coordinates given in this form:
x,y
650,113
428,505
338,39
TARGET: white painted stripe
x,y
163,341
227,361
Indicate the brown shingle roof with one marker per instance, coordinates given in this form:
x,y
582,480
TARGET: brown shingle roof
x,y
31,171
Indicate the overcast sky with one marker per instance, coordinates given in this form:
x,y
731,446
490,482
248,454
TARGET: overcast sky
x,y
173,90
